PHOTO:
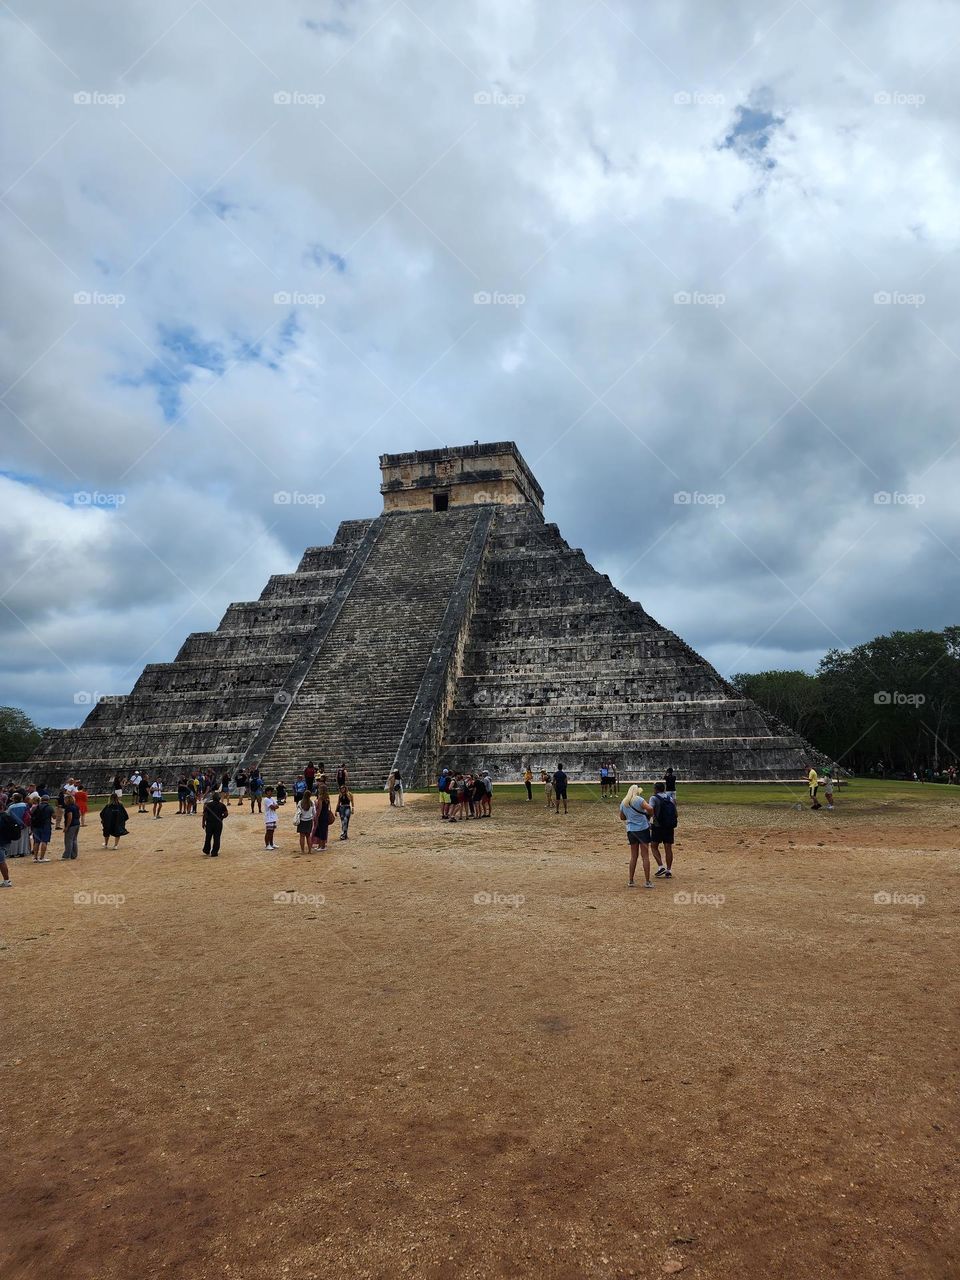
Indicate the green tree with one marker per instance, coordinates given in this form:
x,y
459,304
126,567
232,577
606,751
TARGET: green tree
x,y
19,736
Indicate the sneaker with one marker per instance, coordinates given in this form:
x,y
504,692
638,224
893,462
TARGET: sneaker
x,y
6,884
648,884
43,859
668,875
661,871
631,885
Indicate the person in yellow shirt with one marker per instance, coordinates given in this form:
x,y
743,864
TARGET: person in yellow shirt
x,y
528,781
813,779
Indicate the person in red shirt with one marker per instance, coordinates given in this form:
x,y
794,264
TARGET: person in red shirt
x,y
82,800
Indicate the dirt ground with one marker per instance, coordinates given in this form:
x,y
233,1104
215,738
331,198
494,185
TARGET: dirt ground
x,y
471,1051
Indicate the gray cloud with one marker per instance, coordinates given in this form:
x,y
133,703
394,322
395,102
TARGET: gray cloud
x,y
793,176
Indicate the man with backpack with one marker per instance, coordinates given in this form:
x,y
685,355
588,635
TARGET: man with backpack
x,y
663,824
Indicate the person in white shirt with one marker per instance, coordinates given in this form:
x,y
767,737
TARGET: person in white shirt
x,y
156,796
269,818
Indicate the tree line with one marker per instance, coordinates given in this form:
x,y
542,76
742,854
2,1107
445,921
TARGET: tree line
x,y
892,702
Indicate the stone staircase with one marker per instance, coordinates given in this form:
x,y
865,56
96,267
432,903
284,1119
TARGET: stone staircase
x,y
387,643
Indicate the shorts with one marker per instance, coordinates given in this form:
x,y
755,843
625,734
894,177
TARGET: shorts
x,y
662,835
41,835
561,793
305,828
638,837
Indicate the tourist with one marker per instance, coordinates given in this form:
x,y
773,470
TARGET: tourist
x,y
309,774
135,780
443,787
486,799
392,786
281,793
299,788
225,784
9,839
547,787
255,784
156,794
828,788
396,788
613,780
457,792
305,815
71,827
41,820
212,819
662,827
528,781
344,809
341,775
182,789
813,782
19,810
83,802
560,787
113,819
59,809
269,819
322,819
636,813
240,778
670,783
604,781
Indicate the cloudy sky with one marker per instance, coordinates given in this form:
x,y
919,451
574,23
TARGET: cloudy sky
x,y
243,246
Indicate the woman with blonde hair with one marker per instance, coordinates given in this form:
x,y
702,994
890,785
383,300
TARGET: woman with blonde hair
x,y
636,813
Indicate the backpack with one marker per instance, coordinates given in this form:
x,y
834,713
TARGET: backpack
x,y
444,783
9,828
40,816
666,815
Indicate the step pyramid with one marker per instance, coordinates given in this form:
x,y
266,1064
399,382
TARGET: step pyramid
x,y
456,628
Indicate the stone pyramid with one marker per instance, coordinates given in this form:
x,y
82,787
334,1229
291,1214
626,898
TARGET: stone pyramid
x,y
455,628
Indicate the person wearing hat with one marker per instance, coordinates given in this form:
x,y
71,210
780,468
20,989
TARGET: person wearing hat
x,y
636,813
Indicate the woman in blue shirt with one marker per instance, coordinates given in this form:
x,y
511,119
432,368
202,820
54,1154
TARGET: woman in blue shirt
x,y
636,813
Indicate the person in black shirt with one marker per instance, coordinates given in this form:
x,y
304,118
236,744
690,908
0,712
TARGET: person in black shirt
x,y
214,812
670,783
560,787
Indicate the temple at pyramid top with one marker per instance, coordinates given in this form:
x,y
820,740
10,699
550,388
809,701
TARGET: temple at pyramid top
x,y
457,476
